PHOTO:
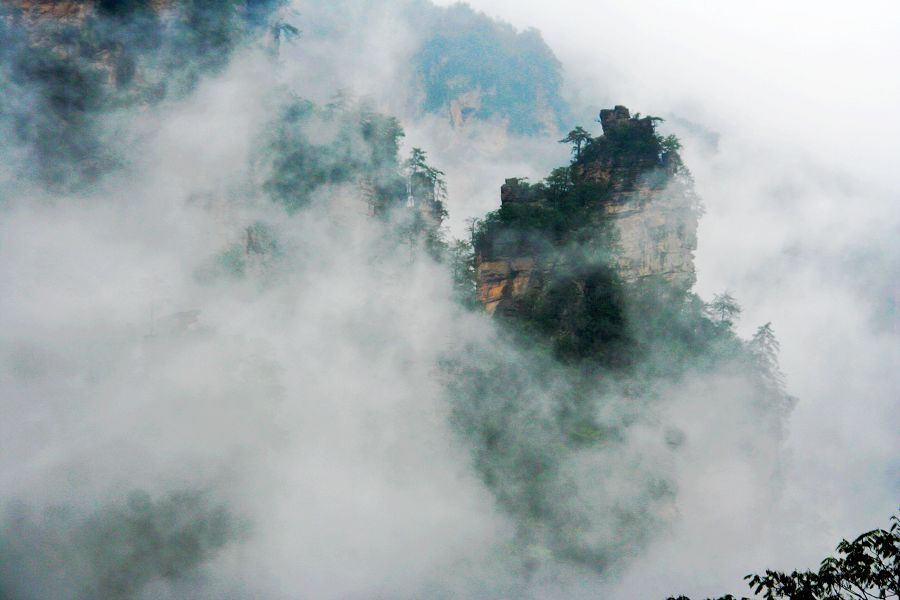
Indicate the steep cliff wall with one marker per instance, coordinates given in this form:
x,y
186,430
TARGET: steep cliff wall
x,y
656,236
653,206
632,192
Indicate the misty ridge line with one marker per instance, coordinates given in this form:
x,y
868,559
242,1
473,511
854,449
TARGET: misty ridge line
x,y
241,356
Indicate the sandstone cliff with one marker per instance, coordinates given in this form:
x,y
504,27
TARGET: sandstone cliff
x,y
634,194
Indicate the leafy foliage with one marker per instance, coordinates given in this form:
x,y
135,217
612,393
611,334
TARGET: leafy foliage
x,y
463,270
364,145
305,149
425,180
426,192
631,140
526,419
578,137
764,349
724,308
568,205
115,551
864,569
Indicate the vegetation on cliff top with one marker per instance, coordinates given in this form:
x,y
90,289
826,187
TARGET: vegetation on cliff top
x,y
568,206
309,147
308,152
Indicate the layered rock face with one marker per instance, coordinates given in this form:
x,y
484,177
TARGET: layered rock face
x,y
657,236
504,279
654,209
644,197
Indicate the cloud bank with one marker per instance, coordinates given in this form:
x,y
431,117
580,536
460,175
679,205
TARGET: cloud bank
x,y
302,412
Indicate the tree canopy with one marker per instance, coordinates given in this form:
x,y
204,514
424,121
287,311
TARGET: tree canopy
x,y
868,568
578,137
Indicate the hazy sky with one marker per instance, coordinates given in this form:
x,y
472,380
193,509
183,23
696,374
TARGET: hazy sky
x,y
813,75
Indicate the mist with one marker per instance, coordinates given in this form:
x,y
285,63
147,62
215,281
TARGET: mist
x,y
787,117
210,394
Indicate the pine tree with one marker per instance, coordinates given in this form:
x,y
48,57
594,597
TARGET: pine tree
x,y
417,163
765,347
724,308
578,137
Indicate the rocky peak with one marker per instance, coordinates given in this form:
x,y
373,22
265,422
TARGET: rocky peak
x,y
638,190
611,117
516,191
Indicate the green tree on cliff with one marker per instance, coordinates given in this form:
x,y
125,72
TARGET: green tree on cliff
x,y
765,347
417,164
724,308
578,137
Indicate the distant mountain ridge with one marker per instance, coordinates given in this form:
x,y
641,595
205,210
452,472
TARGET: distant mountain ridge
x,y
450,62
473,67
